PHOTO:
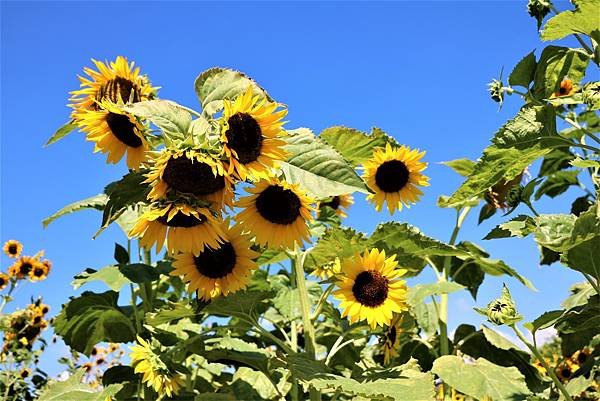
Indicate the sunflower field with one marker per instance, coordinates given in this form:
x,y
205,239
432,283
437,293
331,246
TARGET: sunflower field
x,y
236,277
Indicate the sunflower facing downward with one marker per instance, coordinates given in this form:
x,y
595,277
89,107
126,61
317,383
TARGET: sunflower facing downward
x,y
115,132
251,129
12,248
370,289
390,343
276,213
217,271
394,173
186,228
566,88
192,173
338,203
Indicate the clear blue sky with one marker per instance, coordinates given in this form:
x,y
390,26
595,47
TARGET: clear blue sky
x,y
418,70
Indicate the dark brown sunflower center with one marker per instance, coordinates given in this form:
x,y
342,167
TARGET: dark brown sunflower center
x,y
392,334
370,288
3,282
278,205
244,136
193,177
12,249
38,272
391,176
123,129
334,203
25,268
582,358
565,372
182,220
111,90
216,263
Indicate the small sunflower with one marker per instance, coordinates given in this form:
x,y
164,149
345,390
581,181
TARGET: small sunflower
x,y
115,132
394,173
251,131
155,373
186,228
370,289
25,373
390,343
582,356
4,280
12,248
565,370
327,270
192,173
457,396
338,203
276,213
566,88
222,270
23,266
39,272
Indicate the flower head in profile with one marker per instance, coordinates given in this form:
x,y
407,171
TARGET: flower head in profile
x,y
501,310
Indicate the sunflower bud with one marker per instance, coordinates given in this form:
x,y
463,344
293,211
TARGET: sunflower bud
x,y
496,89
501,310
538,9
513,197
591,95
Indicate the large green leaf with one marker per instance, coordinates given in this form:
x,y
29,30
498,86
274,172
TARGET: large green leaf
x,y
336,242
217,84
418,293
523,73
173,311
581,318
96,202
93,318
557,183
250,385
172,119
227,349
318,168
481,379
356,146
109,275
62,132
242,304
73,389
463,167
555,64
531,126
584,19
519,226
553,231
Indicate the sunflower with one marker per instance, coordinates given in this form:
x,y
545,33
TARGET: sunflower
x,y
23,266
155,373
370,289
582,356
25,373
566,88
394,173
39,272
327,270
390,343
190,172
276,213
457,396
565,370
4,280
223,270
186,228
12,248
338,203
251,131
115,132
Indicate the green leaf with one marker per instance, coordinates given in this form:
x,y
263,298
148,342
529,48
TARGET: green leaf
x,y
547,319
581,163
60,133
523,73
121,255
93,318
554,231
139,272
73,389
580,293
356,146
235,349
251,385
242,304
336,243
109,275
217,84
584,19
171,118
173,311
581,318
96,202
427,317
418,293
531,126
519,226
555,64
481,379
463,167
585,257
557,183
558,159
497,339
318,168
270,257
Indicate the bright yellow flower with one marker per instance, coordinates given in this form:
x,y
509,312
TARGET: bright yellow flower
x,y
339,203
12,248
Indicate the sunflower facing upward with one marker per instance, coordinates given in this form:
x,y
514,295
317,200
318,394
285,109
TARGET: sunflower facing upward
x,y
276,213
251,129
12,248
394,173
370,289
222,270
186,228
190,172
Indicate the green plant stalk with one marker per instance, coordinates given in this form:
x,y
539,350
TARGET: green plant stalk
x,y
148,286
321,302
592,283
309,330
537,354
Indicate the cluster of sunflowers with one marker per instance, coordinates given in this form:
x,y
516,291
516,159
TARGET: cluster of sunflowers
x,y
30,267
100,359
191,187
24,327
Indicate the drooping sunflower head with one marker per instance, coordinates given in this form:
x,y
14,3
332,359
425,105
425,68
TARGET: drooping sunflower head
x,y
339,203
115,132
221,270
22,267
502,194
186,228
155,373
566,88
4,280
276,213
370,288
394,174
117,81
12,248
391,340
251,131
192,173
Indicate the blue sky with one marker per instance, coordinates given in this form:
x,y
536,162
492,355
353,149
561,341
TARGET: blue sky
x,y
418,70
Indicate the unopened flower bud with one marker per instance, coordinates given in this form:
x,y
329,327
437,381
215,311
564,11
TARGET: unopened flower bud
x,y
496,89
501,310
538,9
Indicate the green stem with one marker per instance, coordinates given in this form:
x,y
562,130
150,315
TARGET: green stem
x,y
321,302
592,283
148,286
136,316
550,371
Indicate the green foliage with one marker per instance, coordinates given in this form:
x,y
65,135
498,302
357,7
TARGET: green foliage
x,y
356,146
109,275
584,19
463,167
73,389
522,74
168,116
62,132
96,202
556,63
